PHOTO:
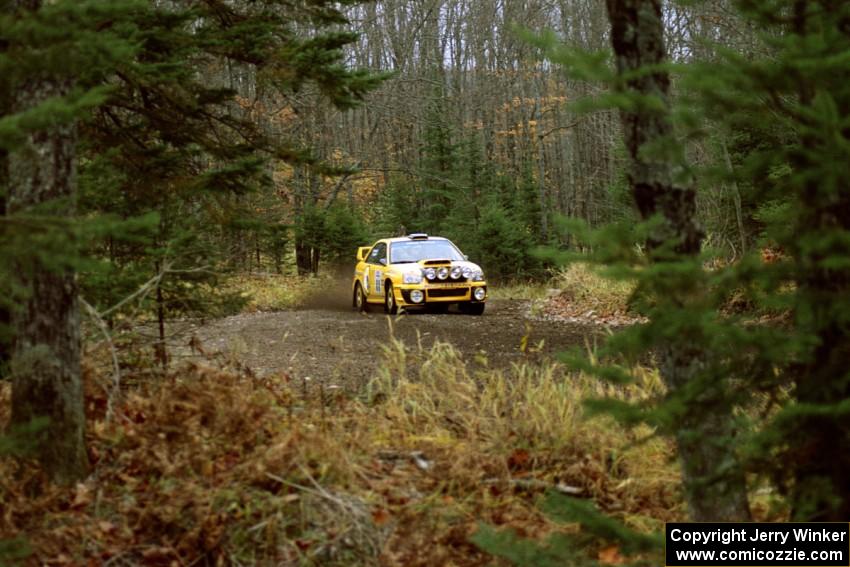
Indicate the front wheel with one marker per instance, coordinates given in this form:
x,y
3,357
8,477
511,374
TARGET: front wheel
x,y
360,303
390,305
472,308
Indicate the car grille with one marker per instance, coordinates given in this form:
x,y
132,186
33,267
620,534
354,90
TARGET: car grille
x,y
449,280
450,292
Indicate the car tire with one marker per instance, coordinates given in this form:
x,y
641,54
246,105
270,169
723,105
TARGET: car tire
x,y
472,308
359,299
390,306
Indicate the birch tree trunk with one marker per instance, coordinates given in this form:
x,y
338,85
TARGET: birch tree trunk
x,y
714,485
45,360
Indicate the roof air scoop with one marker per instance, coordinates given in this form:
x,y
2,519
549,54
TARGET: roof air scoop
x,y
418,236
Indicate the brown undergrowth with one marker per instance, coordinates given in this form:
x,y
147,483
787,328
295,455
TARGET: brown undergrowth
x,y
212,465
579,293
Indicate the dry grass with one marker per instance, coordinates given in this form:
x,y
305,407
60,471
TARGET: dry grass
x,y
588,289
573,291
215,465
271,292
530,290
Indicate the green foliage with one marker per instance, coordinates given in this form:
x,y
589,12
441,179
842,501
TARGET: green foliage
x,y
492,215
345,230
501,245
331,233
525,201
396,208
176,172
13,551
784,113
781,113
555,552
778,110
15,443
572,549
19,441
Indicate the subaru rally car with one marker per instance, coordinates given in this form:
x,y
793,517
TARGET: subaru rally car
x,y
417,271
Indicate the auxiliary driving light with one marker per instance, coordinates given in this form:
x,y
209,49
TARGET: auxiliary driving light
x,y
416,296
443,273
431,273
480,293
457,272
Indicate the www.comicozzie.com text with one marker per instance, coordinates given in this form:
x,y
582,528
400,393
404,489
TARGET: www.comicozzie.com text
x,y
757,534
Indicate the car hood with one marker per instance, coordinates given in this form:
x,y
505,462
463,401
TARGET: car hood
x,y
434,263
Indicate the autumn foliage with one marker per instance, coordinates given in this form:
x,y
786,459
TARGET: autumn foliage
x,y
212,464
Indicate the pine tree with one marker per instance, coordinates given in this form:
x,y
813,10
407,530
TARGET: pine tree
x,y
129,89
51,55
345,230
782,111
501,246
439,169
714,482
794,101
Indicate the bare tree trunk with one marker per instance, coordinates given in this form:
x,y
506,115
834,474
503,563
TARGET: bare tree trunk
x,y
303,258
714,485
160,348
314,261
5,314
736,197
541,167
45,364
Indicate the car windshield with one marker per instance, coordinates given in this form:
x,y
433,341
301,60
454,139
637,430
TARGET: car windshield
x,y
416,250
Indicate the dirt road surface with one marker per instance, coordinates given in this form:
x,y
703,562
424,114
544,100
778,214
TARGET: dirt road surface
x,y
340,346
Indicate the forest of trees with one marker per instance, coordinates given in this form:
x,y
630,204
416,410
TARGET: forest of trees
x,y
152,150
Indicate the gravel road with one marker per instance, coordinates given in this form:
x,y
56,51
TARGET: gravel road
x,y
340,346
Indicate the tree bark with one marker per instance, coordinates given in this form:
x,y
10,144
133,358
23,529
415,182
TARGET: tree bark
x,y
303,257
45,364
5,314
714,485
736,198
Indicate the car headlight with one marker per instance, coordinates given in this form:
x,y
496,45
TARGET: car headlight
x,y
412,277
478,276
416,296
443,273
457,271
480,293
431,273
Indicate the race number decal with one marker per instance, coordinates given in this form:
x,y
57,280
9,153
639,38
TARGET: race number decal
x,y
378,279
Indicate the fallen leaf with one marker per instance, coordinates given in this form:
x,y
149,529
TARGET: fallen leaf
x,y
106,527
82,497
518,459
610,556
380,516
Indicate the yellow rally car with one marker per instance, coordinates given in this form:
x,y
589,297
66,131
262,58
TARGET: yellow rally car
x,y
417,271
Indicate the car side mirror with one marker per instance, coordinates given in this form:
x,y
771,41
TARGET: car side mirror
x,y
466,257
362,252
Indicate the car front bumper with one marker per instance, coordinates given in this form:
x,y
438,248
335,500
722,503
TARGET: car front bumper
x,y
462,292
